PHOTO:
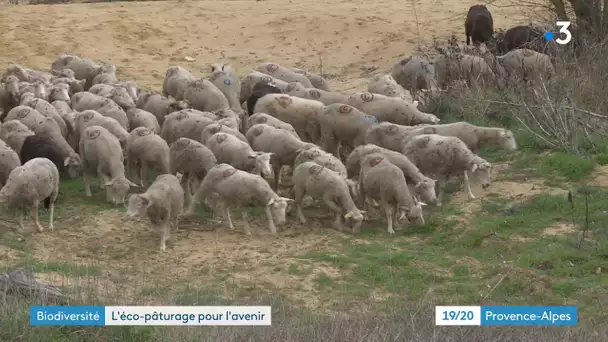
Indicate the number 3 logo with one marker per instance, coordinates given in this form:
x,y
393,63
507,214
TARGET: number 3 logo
x,y
563,28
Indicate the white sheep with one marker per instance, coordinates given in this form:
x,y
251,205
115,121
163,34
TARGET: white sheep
x,y
316,80
45,108
263,118
319,182
343,126
140,118
388,135
9,159
218,127
90,118
59,92
193,160
203,95
475,137
415,74
13,133
106,75
83,68
384,182
162,203
120,95
104,106
28,185
386,85
302,114
102,156
176,81
186,123
226,79
230,150
47,127
325,97
420,185
146,150
283,73
527,64
236,189
443,157
391,109
283,146
159,105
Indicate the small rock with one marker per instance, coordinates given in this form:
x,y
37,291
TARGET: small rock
x,y
189,59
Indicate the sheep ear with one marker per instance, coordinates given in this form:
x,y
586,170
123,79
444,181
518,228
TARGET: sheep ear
x,y
503,133
422,204
145,201
66,161
133,184
363,212
270,202
416,103
110,183
474,168
348,214
288,200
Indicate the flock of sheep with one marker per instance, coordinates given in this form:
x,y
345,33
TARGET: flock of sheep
x,y
223,140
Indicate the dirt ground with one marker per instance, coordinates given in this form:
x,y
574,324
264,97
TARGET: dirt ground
x,y
348,39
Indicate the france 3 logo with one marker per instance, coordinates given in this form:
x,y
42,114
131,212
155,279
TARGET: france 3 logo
x,y
563,31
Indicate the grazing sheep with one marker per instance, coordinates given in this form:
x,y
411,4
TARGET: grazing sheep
x,y
131,87
9,159
283,73
231,150
414,74
391,109
59,92
104,106
302,114
176,82
479,24
237,189
74,86
28,75
13,133
47,127
385,84
255,77
120,95
140,118
37,88
482,51
90,118
102,156
203,95
63,73
35,146
83,68
523,36
420,185
159,105
388,135
46,109
475,137
216,128
226,79
316,80
28,185
384,182
146,150
10,96
263,118
283,146
319,182
106,75
186,123
325,97
343,125
527,65
443,157
162,203
193,160
473,69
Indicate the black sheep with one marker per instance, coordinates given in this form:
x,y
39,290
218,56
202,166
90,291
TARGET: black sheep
x,y
479,24
259,90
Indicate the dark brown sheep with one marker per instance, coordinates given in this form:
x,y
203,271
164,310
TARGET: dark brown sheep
x,y
259,90
479,24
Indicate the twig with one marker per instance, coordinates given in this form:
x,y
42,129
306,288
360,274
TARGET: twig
x,y
565,107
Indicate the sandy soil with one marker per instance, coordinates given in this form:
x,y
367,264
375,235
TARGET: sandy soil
x,y
348,39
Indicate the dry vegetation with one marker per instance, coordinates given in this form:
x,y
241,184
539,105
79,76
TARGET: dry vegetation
x,y
520,242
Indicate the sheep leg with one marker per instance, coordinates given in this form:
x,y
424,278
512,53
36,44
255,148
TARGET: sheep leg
x,y
87,186
389,217
21,214
276,169
299,194
51,213
467,185
164,235
34,211
441,184
227,214
336,209
144,175
245,217
271,226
